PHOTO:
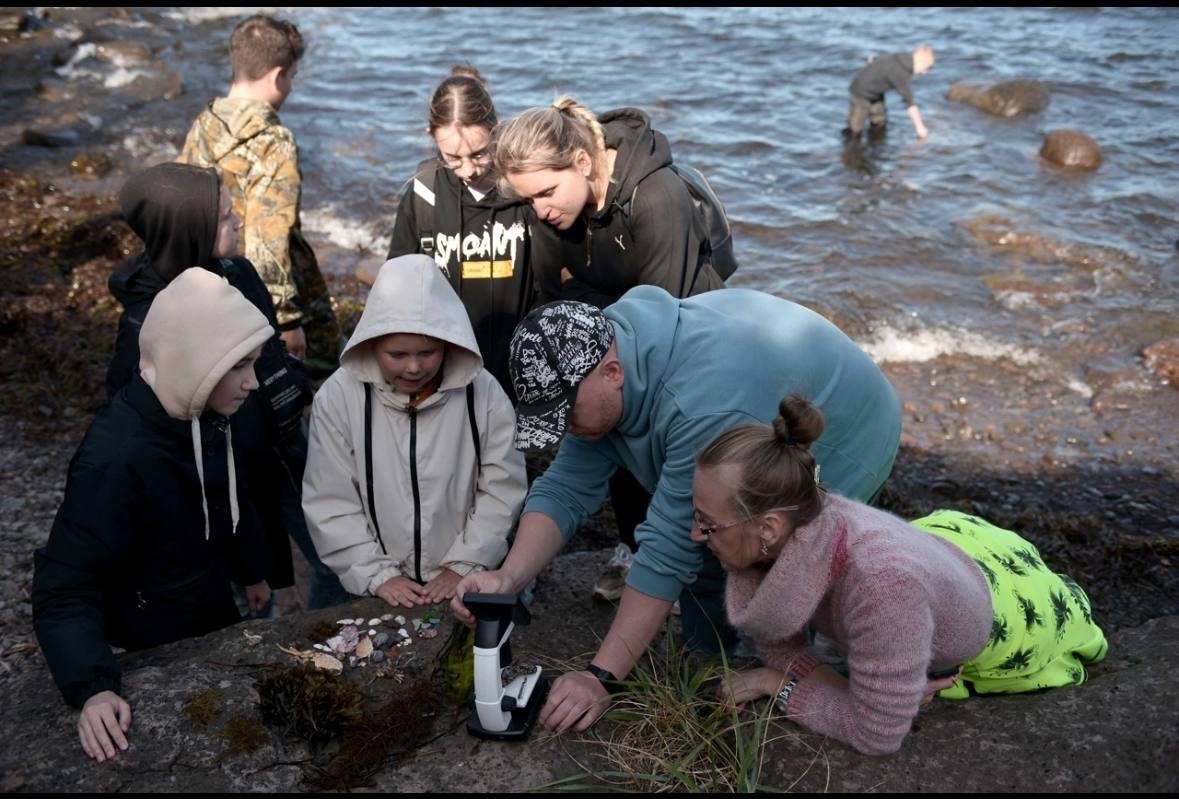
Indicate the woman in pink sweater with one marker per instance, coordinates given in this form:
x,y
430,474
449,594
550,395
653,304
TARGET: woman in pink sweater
x,y
959,607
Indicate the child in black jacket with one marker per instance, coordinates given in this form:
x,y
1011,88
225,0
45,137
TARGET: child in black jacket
x,y
155,521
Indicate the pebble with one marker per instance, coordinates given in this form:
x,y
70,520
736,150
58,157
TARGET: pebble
x,y
374,622
378,657
380,639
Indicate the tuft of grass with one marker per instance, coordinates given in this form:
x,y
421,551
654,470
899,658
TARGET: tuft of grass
x,y
668,732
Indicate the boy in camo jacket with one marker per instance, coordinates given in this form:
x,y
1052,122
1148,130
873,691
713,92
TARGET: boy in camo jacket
x,y
240,135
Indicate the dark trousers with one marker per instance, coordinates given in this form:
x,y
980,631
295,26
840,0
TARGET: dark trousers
x,y
860,110
630,501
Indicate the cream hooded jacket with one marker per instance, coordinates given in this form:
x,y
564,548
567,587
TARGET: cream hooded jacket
x,y
435,506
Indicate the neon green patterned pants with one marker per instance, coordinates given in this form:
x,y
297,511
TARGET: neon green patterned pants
x,y
1043,633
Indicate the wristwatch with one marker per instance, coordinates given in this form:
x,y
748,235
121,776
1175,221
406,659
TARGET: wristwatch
x,y
784,694
608,680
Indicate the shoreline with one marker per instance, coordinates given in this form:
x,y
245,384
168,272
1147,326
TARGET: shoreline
x,y
1092,481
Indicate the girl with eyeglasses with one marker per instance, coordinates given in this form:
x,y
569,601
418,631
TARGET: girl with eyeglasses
x,y
452,211
949,604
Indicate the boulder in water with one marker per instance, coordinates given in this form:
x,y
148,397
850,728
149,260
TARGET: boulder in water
x,y
1163,359
1007,99
1071,148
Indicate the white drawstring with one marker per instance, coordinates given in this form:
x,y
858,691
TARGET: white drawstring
x,y
200,464
233,510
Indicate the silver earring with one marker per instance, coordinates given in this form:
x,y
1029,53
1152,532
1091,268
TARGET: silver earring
x,y
765,550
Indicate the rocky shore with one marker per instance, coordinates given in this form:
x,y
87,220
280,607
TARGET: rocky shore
x,y
1092,481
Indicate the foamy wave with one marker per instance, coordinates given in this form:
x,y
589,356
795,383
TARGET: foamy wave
x,y
70,68
150,146
351,234
928,343
122,76
220,12
1081,387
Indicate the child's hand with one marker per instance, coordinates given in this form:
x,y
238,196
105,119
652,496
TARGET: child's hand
x,y
401,591
441,587
257,596
103,725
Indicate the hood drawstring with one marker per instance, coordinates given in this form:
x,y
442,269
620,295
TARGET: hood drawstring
x,y
234,512
200,464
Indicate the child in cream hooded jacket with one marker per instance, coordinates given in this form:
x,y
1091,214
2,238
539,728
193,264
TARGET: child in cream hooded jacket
x,y
412,480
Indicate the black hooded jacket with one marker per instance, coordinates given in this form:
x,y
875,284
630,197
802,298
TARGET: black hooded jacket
x,y
484,247
174,209
647,233
127,562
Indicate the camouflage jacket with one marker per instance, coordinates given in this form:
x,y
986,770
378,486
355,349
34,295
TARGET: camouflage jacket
x,y
259,164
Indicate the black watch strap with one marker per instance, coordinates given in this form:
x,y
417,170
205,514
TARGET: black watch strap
x,y
608,680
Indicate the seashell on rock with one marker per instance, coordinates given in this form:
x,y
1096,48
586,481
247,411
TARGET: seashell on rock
x,y
364,648
387,617
373,622
430,633
327,663
343,621
404,633
399,619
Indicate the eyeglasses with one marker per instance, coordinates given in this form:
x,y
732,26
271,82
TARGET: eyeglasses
x,y
708,530
481,158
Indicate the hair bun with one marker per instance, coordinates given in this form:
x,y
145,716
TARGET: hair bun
x,y
800,423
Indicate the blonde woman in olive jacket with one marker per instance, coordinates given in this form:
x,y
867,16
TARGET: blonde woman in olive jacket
x,y
412,479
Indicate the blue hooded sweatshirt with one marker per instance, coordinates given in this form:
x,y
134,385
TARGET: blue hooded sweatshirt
x,y
694,368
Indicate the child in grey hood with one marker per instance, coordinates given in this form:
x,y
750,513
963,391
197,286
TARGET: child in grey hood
x,y
412,480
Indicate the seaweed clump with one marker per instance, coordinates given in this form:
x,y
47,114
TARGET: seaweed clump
x,y
203,706
243,736
396,729
308,703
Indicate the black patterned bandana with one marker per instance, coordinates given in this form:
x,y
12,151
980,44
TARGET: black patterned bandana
x,y
552,351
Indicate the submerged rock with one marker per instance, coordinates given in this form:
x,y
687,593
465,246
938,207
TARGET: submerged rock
x,y
1007,99
49,138
1163,359
1071,148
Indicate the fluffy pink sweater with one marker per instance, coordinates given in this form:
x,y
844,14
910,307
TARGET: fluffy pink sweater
x,y
897,600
